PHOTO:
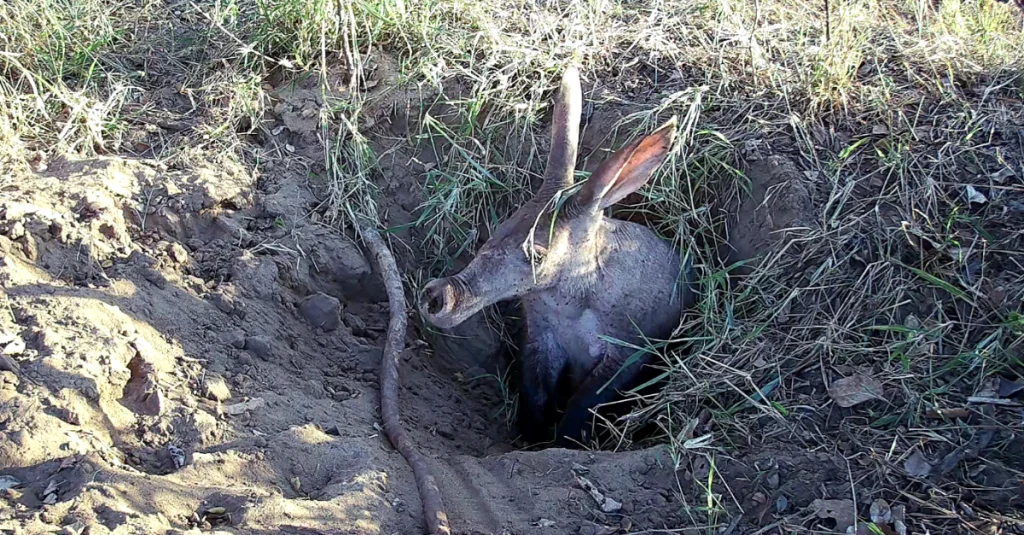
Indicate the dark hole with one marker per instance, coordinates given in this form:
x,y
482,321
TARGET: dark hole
x,y
434,304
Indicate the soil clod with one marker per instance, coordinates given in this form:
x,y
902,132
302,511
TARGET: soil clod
x,y
321,311
216,388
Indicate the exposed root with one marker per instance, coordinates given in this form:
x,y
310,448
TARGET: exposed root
x,y
436,518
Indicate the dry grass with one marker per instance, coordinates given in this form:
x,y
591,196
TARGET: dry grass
x,y
907,111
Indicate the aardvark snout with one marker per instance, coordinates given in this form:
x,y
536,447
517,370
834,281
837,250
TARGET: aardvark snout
x,y
438,301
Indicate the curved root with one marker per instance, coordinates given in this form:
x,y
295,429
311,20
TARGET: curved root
x,y
433,510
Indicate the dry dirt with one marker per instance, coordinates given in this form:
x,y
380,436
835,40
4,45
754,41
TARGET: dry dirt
x,y
200,354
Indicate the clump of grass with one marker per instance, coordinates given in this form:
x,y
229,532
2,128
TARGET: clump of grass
x,y
57,91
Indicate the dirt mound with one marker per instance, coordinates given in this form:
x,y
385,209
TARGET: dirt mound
x,y
188,350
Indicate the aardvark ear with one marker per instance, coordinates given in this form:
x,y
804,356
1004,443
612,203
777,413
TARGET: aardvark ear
x,y
565,133
628,169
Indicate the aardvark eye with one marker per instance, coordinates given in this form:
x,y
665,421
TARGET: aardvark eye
x,y
534,253
538,253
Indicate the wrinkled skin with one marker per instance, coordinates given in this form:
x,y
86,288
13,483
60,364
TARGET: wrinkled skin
x,y
581,280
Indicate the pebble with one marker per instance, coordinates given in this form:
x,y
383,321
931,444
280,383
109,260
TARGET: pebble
x,y
223,303
69,415
15,347
177,253
241,408
9,378
259,346
321,310
355,324
234,338
154,277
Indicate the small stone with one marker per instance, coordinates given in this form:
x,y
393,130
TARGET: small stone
x,y
154,277
177,253
321,310
69,415
781,504
355,324
773,481
9,378
259,346
74,529
223,303
216,388
154,403
234,338
14,347
243,407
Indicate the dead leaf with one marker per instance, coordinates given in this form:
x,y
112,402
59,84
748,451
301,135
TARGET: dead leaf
x,y
1001,175
855,389
880,512
607,504
975,196
916,465
839,510
1009,388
